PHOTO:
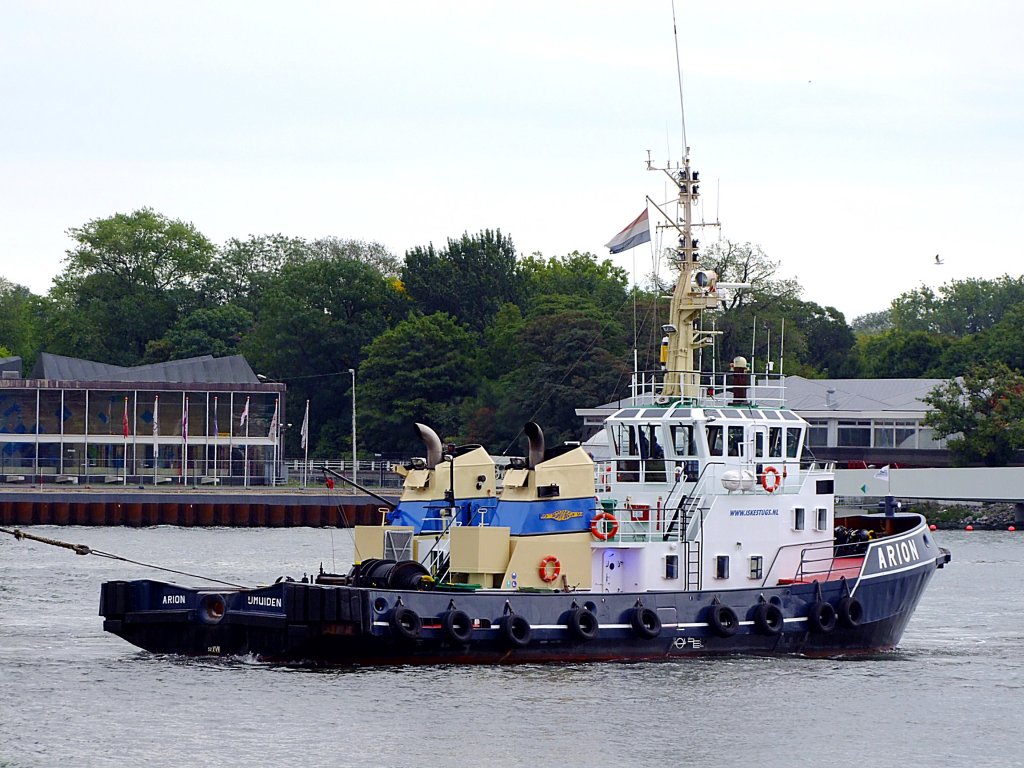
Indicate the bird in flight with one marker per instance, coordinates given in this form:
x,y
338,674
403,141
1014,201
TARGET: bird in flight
x,y
938,260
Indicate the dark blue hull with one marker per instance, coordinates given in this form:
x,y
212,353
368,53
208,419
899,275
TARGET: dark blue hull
x,y
339,625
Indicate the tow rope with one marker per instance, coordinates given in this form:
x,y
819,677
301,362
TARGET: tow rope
x,y
84,549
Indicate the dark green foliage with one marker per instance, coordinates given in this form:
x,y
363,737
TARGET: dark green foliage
x,y
982,414
125,283
470,279
419,370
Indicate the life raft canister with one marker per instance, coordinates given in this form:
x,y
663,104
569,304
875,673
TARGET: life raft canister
x,y
771,479
549,574
597,527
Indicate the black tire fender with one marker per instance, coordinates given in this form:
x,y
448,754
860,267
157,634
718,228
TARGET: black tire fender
x,y
646,622
723,620
456,626
822,617
515,630
405,623
851,612
583,624
768,619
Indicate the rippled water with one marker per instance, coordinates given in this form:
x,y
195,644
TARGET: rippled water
x,y
72,695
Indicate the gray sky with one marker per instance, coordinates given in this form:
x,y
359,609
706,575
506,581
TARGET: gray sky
x,y
851,141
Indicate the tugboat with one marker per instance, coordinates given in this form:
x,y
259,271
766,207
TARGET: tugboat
x,y
710,531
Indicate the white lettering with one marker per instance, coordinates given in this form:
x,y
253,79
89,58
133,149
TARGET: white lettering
x,y
174,600
901,554
264,602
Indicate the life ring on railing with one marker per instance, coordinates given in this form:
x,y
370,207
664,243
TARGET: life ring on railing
x,y
552,574
597,526
771,479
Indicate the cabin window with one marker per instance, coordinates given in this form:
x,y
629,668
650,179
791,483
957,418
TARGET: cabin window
x,y
650,448
757,567
793,442
759,444
671,566
721,566
735,441
775,442
715,447
798,519
682,439
822,519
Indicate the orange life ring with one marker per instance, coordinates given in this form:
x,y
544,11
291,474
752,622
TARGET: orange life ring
x,y
598,530
770,479
552,574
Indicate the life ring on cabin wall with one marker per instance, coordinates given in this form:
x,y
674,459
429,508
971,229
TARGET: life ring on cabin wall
x,y
771,479
549,574
597,528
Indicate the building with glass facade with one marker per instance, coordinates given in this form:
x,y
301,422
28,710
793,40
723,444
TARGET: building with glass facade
x,y
203,420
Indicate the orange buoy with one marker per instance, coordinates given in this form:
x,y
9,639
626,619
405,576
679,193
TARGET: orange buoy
x,y
1012,528
933,527
969,528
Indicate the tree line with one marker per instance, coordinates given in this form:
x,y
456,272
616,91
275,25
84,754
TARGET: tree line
x,y
472,337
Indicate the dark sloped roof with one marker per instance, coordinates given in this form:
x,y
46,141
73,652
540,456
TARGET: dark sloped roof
x,y
10,364
207,369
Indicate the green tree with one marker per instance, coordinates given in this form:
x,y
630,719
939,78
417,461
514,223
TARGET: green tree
x,y
982,415
900,354
576,274
420,370
470,279
128,279
570,353
313,320
18,320
216,331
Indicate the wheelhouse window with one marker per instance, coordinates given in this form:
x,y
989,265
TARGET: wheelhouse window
x,y
775,442
735,441
715,444
682,439
793,435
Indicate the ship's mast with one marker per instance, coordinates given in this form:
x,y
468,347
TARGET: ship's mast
x,y
694,292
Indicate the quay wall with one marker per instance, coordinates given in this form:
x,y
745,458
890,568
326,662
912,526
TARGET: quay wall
x,y
276,509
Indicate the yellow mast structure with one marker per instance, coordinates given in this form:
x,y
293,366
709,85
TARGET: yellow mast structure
x,y
695,291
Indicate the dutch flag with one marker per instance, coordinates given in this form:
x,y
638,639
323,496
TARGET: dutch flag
x,y
638,232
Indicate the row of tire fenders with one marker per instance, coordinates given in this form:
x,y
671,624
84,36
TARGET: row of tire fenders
x,y
514,630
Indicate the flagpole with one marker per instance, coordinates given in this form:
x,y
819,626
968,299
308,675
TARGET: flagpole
x,y
156,437
305,445
245,457
124,424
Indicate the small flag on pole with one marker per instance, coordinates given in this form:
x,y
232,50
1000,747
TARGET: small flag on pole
x,y
883,473
637,232
156,416
245,413
184,422
215,430
305,428
124,419
273,421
